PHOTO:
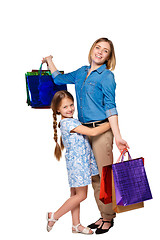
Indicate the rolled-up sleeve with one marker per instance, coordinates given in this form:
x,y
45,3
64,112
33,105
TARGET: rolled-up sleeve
x,y
68,78
55,74
108,89
111,112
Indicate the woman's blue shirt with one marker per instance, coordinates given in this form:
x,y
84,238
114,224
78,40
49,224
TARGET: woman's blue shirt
x,y
95,94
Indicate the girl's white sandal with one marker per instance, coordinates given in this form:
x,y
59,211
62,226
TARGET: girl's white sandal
x,y
86,230
51,219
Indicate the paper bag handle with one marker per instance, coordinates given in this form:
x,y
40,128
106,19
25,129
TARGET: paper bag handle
x,y
121,157
40,69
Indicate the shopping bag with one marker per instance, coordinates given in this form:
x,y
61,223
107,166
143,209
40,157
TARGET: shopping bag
x,y
41,88
130,180
107,192
119,209
106,185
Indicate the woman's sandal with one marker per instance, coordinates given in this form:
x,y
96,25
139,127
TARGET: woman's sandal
x,y
93,225
86,230
51,219
100,230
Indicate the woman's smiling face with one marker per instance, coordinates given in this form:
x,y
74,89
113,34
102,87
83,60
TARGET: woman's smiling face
x,y
100,53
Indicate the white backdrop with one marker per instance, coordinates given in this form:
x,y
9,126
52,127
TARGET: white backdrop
x,y
32,181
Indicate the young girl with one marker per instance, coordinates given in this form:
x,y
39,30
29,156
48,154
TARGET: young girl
x,y
80,161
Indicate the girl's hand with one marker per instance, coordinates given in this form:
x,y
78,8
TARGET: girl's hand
x,y
47,59
121,144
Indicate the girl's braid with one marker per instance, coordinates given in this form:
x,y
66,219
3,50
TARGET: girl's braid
x,y
57,151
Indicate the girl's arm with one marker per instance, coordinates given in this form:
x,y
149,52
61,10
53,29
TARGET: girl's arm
x,y
121,144
92,131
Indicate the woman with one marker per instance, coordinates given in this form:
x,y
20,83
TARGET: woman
x,y
95,91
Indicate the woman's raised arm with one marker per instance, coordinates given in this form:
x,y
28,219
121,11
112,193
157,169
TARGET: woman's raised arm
x,y
50,63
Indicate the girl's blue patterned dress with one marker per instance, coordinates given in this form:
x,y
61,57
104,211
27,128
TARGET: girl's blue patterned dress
x,y
80,161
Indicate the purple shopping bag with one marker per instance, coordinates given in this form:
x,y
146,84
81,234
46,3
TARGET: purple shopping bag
x,y
131,184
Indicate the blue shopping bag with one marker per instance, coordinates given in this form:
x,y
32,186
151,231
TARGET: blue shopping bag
x,y
41,88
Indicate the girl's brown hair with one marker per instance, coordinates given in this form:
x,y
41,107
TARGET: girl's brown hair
x,y
111,62
55,104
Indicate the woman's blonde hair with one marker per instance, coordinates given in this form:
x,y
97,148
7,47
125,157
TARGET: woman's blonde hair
x,y
55,104
111,62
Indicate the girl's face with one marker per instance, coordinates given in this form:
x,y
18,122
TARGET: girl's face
x,y
100,53
66,108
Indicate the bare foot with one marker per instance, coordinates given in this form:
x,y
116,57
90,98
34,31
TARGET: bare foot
x,y
99,222
106,225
